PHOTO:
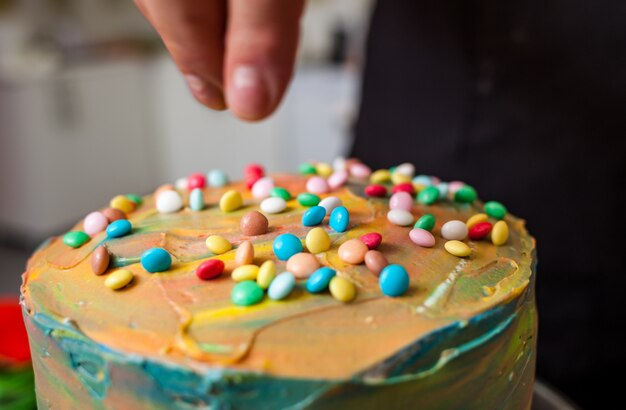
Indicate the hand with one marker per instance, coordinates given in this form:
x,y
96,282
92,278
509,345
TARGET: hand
x,y
233,53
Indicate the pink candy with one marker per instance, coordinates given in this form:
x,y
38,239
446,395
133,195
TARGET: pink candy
x,y
455,186
262,187
422,237
317,185
338,179
360,171
372,240
95,223
401,200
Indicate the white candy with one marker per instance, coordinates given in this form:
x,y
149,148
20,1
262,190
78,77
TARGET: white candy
x,y
400,217
454,230
273,205
181,183
168,202
405,169
330,203
339,164
262,188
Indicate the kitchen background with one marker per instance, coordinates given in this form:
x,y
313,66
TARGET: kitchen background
x,y
91,106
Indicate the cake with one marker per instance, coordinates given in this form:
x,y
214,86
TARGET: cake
x,y
208,328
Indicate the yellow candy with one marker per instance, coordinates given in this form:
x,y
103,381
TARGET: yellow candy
x,y
323,169
231,201
123,204
476,219
400,178
218,244
418,187
118,279
458,248
380,176
317,240
342,289
245,272
500,233
266,274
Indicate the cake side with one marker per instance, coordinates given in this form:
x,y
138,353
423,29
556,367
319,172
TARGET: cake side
x,y
321,348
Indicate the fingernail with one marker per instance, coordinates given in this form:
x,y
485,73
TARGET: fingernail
x,y
204,92
251,94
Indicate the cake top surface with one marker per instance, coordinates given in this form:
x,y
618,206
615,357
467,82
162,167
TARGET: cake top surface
x,y
176,317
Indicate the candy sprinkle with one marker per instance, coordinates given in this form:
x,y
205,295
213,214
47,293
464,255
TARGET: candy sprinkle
x,y
119,279
458,248
394,280
218,244
231,201
75,239
246,293
156,260
342,289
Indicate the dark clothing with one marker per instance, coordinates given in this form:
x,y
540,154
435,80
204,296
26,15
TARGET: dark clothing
x,y
526,101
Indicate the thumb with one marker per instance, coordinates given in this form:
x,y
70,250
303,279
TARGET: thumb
x,y
261,42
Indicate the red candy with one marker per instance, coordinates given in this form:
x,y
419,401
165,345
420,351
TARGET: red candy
x,y
479,231
250,181
372,240
403,187
377,191
196,181
210,269
253,170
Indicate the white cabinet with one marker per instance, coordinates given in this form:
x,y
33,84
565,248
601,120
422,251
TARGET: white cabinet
x,y
70,142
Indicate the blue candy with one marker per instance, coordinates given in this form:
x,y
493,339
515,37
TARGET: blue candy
x,y
286,245
196,200
217,178
394,280
281,286
156,260
313,216
423,180
119,228
443,189
319,280
339,219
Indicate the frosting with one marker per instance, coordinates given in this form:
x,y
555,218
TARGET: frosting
x,y
178,328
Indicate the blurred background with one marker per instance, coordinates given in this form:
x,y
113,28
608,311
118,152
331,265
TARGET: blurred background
x,y
92,106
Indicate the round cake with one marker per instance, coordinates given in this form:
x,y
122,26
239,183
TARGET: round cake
x,y
335,288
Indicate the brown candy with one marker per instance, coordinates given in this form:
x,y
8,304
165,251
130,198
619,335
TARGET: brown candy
x,y
375,261
100,260
352,251
302,265
254,223
113,214
244,254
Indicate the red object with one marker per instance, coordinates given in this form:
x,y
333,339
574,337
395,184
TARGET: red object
x,y
210,269
403,187
14,340
377,191
372,240
250,181
253,170
196,181
479,231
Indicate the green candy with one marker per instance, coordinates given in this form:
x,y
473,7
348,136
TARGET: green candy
x,y
307,169
308,199
495,209
427,222
279,192
75,239
135,198
428,195
466,194
392,170
247,293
